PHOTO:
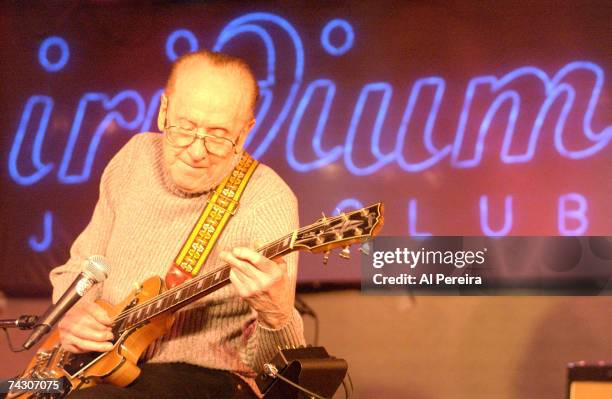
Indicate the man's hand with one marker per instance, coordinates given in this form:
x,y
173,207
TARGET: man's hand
x,y
263,283
86,328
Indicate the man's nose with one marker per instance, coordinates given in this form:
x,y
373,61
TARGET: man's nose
x,y
197,149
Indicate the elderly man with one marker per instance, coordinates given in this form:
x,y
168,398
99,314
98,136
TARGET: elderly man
x,y
151,194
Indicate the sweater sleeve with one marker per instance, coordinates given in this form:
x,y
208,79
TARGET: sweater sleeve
x,y
94,238
276,217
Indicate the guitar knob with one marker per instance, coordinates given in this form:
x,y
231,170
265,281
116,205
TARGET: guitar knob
x,y
325,257
345,253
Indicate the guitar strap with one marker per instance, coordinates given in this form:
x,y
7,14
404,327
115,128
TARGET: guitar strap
x,y
221,205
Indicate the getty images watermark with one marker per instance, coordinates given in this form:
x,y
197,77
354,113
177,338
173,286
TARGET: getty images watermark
x,y
488,265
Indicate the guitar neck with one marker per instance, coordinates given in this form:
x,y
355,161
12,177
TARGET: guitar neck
x,y
193,289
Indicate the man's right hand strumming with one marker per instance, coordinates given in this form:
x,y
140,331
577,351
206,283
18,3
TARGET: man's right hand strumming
x,y
86,328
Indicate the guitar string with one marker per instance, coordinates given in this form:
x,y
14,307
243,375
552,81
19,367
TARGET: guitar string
x,y
126,313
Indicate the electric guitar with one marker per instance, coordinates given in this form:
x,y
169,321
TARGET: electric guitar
x,y
148,312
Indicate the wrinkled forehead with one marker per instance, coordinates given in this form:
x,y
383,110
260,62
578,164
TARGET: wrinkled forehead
x,y
214,90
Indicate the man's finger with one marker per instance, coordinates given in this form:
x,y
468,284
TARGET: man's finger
x,y
89,321
247,269
239,281
99,314
255,258
89,334
83,345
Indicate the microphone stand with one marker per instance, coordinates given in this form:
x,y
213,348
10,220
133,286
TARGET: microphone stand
x,y
25,322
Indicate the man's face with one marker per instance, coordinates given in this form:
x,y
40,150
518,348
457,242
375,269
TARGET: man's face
x,y
214,101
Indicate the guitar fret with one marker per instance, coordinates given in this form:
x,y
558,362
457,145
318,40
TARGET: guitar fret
x,y
266,252
208,281
167,302
121,325
286,243
155,307
189,291
269,252
226,273
277,248
185,294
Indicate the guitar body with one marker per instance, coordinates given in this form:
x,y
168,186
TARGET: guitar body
x,y
117,366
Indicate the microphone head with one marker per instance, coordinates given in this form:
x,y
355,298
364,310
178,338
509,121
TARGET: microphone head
x,y
96,267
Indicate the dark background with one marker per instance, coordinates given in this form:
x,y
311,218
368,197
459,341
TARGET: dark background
x,y
117,46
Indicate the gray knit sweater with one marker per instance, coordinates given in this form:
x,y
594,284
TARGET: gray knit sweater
x,y
139,224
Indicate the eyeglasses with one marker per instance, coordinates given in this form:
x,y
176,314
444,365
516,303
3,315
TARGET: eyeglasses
x,y
182,137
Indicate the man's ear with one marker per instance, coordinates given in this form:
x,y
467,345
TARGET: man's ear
x,y
245,133
163,109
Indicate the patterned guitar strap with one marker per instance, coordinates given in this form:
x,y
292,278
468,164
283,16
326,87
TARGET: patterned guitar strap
x,y
219,208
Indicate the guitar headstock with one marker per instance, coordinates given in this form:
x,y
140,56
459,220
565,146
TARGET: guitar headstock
x,y
341,231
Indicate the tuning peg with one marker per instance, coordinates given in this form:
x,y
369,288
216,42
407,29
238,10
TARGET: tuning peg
x,y
325,257
345,253
324,219
365,248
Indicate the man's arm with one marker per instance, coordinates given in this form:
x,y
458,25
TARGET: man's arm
x,y
269,286
86,327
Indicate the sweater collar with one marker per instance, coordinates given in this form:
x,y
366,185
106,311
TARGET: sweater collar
x,y
176,190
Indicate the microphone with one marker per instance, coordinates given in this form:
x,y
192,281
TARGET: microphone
x,y
95,270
